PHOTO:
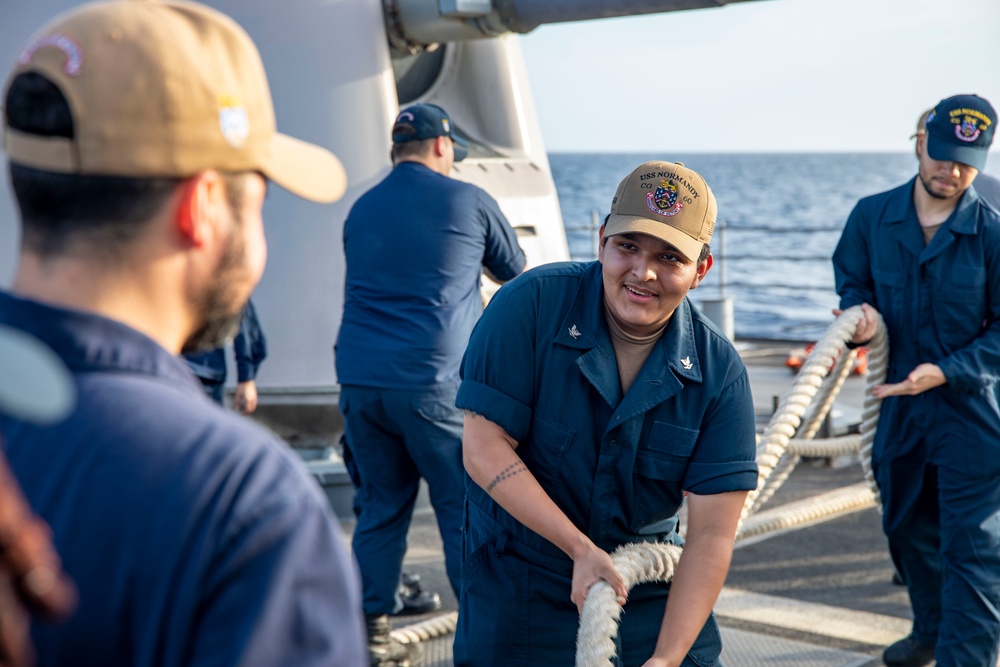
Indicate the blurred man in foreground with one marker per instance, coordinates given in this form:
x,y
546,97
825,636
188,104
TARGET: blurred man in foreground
x,y
141,138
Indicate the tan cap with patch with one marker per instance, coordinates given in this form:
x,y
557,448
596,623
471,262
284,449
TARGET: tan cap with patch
x,y
666,200
163,89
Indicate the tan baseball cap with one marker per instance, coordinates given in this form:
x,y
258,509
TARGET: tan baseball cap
x,y
163,89
666,200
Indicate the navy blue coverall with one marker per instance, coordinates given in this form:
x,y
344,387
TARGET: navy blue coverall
x,y
249,348
416,245
195,537
541,365
936,455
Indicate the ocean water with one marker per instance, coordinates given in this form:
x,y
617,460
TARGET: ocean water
x,y
782,216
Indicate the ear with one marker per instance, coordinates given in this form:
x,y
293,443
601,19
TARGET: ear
x,y
440,146
702,269
196,207
600,246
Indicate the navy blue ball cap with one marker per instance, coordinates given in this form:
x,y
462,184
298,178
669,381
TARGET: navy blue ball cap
x,y
960,129
426,121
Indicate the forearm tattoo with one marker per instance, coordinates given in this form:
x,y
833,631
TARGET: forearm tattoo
x,y
508,472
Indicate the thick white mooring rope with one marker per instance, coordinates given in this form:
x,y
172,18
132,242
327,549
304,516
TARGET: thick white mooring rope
x,y
878,364
817,411
786,420
808,510
432,628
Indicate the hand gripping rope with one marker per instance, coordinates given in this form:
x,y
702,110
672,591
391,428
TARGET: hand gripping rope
x,y
638,564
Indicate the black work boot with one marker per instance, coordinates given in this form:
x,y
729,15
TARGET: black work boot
x,y
383,650
415,599
908,652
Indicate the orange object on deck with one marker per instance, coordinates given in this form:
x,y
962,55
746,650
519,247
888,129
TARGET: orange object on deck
x,y
797,358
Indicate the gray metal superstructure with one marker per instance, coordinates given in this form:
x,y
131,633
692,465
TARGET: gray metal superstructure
x,y
339,71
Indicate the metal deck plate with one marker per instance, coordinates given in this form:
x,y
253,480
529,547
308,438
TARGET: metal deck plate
x,y
740,649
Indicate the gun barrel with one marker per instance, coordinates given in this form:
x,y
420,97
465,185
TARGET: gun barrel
x,y
414,24
525,15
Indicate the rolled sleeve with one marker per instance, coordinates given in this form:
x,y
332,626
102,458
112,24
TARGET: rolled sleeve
x,y
498,368
722,477
510,415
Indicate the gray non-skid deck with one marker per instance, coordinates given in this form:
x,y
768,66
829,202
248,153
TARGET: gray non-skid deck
x,y
742,649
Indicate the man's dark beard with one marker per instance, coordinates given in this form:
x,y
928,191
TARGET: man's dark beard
x,y
928,190
214,333
220,323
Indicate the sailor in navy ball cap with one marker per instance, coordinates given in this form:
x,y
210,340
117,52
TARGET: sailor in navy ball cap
x,y
401,341
926,255
960,129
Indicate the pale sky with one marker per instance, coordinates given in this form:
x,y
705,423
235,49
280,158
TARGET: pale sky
x,y
767,75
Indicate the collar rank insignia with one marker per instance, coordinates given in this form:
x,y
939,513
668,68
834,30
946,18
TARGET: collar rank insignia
x,y
574,332
686,363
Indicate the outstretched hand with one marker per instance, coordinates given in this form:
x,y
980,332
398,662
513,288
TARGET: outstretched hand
x,y
595,565
920,379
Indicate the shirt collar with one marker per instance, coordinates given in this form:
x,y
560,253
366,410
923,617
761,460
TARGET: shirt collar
x,y
900,204
963,219
584,323
678,343
89,342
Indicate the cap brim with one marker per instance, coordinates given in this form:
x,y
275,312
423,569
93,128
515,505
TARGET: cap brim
x,y
629,224
946,151
306,170
461,149
34,384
